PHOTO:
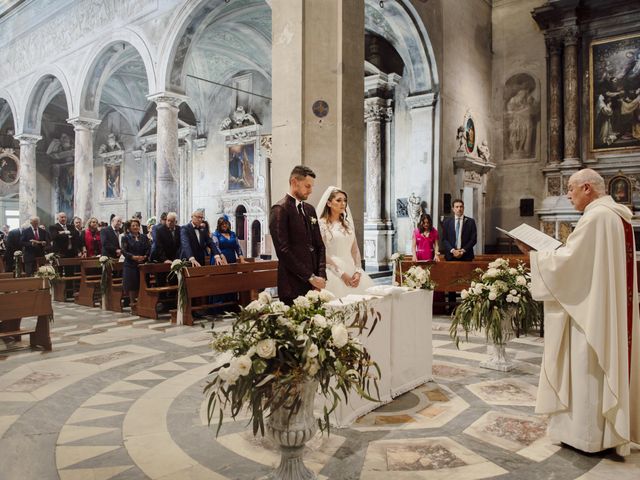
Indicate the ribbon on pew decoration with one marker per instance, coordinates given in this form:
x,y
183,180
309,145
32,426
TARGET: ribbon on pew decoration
x,y
177,270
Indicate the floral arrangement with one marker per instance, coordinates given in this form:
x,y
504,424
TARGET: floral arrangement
x,y
17,257
47,271
396,260
176,271
151,221
52,258
275,348
418,278
106,263
498,301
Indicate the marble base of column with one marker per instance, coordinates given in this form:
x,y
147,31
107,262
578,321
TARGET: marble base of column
x,y
378,246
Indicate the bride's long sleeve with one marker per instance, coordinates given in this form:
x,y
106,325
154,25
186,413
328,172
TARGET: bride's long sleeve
x,y
355,253
326,238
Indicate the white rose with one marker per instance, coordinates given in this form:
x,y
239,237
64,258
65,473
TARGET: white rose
x,y
509,298
266,348
319,321
264,297
313,295
339,335
513,291
242,364
103,259
254,306
520,280
302,338
326,295
251,352
302,302
313,351
515,299
464,294
176,262
279,307
492,295
513,271
312,366
284,322
478,289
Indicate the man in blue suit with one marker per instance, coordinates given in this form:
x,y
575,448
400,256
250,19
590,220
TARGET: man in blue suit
x,y
459,235
194,241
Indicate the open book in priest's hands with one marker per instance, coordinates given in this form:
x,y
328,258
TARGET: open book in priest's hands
x,y
533,238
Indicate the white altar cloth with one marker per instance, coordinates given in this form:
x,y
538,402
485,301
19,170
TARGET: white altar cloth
x,y
400,344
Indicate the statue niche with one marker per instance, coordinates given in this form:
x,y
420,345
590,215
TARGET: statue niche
x,y
521,117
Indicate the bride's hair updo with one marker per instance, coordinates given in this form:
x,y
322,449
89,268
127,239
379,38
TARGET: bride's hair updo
x,y
327,209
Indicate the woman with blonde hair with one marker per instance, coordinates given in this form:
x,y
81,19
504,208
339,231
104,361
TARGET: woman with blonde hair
x,y
92,238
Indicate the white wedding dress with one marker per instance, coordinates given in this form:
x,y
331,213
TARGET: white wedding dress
x,y
343,256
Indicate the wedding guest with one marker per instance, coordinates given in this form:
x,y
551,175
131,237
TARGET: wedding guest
x,y
424,244
228,241
63,238
135,248
194,241
92,243
109,238
35,241
77,224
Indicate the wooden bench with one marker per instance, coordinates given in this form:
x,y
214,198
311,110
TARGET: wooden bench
x,y
68,281
150,291
26,297
90,275
6,275
245,278
114,293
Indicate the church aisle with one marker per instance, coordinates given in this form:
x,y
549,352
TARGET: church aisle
x,y
120,397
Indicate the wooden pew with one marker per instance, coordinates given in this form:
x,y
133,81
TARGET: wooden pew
x,y
26,297
6,275
150,291
89,291
68,280
246,278
113,296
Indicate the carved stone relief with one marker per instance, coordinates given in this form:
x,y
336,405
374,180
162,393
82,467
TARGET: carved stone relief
x,y
553,186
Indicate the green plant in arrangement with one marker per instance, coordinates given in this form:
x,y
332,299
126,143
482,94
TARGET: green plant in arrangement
x,y
275,349
499,301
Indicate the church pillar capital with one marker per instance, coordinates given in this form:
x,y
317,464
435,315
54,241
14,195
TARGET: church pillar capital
x,y
83,123
27,139
167,99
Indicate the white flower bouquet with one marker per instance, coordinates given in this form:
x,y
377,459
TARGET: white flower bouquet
x,y
418,278
52,258
498,292
18,267
46,271
176,271
275,348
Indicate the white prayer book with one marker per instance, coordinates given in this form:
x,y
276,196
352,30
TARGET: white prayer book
x,y
533,238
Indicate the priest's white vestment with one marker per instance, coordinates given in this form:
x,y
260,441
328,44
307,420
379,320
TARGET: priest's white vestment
x,y
585,384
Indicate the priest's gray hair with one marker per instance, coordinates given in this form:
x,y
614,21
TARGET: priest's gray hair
x,y
590,176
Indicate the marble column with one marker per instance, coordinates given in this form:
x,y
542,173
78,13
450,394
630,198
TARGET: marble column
x,y
378,232
83,166
27,200
570,98
313,96
554,50
167,156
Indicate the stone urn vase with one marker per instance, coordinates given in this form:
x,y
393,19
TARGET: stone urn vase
x,y
498,359
291,431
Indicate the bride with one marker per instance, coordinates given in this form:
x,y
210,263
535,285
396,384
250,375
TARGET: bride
x,y
344,272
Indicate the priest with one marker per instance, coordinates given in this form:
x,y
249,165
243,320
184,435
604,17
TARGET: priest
x,y
590,373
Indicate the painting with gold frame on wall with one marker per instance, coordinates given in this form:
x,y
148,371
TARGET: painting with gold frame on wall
x,y
620,189
614,72
241,166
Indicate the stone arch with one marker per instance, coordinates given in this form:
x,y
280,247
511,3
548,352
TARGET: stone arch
x,y
184,31
8,109
48,82
104,59
401,26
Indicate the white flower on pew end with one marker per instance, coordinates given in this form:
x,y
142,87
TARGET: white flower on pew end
x,y
264,298
17,253
464,293
266,348
175,263
103,259
50,256
395,256
46,271
339,335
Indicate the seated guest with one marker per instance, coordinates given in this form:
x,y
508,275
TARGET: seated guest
x,y
92,244
109,238
135,248
424,245
195,241
167,240
228,241
64,240
35,241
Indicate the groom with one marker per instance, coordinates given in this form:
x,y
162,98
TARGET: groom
x,y
294,228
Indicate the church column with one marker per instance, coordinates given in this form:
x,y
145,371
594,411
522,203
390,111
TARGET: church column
x,y
83,166
313,100
554,50
571,99
27,184
167,156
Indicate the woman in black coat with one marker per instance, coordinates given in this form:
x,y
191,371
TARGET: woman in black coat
x,y
135,248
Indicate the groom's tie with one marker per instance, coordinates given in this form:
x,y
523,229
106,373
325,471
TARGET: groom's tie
x,y
300,211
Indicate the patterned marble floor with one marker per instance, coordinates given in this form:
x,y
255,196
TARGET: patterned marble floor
x,y
120,397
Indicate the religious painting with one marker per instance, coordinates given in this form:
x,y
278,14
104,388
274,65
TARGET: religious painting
x,y
521,117
64,192
620,189
469,134
8,169
614,69
402,207
112,175
241,166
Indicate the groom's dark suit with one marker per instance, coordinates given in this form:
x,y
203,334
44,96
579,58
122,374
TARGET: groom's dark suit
x,y
299,247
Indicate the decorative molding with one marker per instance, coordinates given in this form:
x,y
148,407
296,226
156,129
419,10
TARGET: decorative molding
x,y
421,100
170,98
87,123
27,138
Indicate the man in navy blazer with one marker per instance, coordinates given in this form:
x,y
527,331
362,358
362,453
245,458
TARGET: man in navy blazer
x,y
109,238
459,247
194,241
